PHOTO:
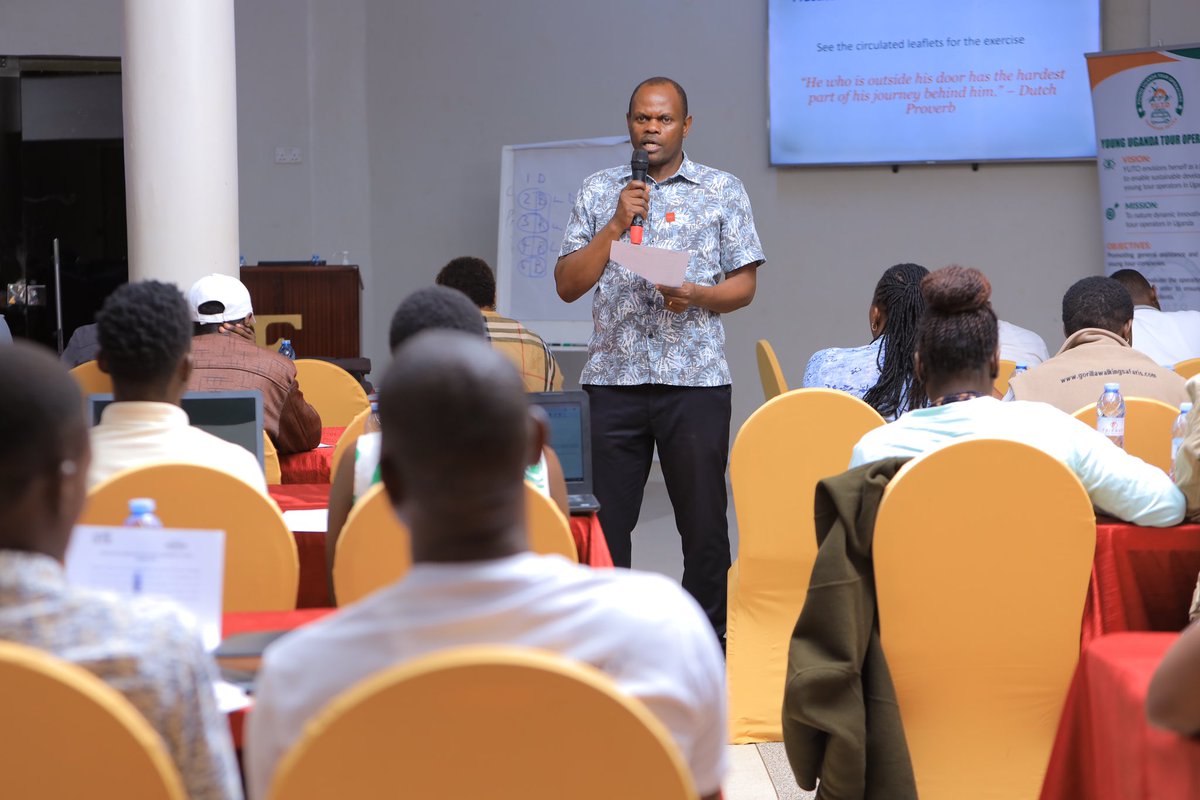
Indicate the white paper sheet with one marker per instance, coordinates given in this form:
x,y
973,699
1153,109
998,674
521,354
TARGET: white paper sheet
x,y
307,519
230,698
186,566
659,266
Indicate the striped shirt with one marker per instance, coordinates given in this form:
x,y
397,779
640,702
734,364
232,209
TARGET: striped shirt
x,y
526,350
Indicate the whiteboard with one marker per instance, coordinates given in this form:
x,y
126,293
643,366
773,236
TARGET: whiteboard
x,y
538,184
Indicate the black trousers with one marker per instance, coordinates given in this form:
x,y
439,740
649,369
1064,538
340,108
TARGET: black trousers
x,y
690,426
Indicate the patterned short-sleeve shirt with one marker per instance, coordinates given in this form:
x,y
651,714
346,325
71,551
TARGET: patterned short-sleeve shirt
x,y
636,340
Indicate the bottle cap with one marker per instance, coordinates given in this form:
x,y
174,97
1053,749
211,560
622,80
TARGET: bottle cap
x,y
1185,408
1112,387
374,407
141,505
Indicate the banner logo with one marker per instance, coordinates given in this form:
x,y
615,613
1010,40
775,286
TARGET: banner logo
x,y
1159,101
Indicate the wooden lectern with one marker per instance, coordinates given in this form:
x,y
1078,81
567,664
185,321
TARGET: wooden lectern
x,y
326,298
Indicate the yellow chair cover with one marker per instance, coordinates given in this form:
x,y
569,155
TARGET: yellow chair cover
x,y
332,391
1148,426
549,531
91,380
983,552
68,734
485,722
782,450
262,570
769,371
271,462
348,439
1007,368
1189,368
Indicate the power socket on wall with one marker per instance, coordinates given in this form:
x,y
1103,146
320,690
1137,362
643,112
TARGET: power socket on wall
x,y
287,155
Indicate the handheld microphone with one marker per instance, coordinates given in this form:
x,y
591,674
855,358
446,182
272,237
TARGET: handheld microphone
x,y
639,164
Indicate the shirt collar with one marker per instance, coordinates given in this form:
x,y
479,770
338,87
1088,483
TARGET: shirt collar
x,y
687,171
31,573
143,413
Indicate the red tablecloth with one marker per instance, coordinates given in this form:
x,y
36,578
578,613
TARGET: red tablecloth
x,y
1105,748
590,541
314,466
1142,579
300,496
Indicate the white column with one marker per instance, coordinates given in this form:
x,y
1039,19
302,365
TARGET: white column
x,y
180,104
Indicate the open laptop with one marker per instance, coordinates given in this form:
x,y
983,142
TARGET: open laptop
x,y
236,417
571,438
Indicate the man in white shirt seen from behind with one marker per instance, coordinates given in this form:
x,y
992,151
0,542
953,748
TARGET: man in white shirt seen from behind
x,y
457,435
1168,337
957,359
145,333
1021,346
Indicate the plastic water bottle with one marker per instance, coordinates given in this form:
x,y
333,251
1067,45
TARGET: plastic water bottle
x,y
1110,414
1178,432
286,349
141,514
372,424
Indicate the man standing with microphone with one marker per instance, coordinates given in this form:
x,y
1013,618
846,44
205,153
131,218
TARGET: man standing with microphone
x,y
656,371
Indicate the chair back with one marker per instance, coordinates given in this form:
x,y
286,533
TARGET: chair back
x,y
262,570
90,379
1007,368
982,553
348,439
549,530
271,466
373,549
1189,368
503,708
69,733
1148,426
780,453
332,391
769,371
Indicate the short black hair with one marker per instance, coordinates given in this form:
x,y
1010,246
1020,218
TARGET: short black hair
x,y
660,80
41,416
144,330
1096,302
1135,283
471,276
434,307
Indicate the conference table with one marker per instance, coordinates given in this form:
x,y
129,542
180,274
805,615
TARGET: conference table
x,y
1105,748
310,545
312,466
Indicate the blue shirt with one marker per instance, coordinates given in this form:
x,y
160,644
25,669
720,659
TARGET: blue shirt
x,y
636,340
853,370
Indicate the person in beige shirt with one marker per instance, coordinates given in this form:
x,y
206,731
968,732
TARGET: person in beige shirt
x,y
1098,324
145,335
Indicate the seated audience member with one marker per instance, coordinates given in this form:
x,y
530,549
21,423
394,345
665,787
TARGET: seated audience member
x,y
82,347
225,358
957,361
1098,321
434,308
1021,346
1173,699
145,334
533,359
457,435
143,648
1168,337
880,373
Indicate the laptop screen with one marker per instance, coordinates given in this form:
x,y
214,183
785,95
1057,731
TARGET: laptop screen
x,y
570,434
235,417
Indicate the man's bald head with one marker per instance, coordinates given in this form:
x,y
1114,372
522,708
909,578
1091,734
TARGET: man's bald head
x,y
45,450
1139,288
457,436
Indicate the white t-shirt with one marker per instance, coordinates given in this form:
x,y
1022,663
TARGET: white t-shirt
x,y
1021,346
1168,337
1118,484
135,434
642,630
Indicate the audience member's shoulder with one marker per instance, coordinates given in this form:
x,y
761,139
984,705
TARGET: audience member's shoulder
x,y
147,619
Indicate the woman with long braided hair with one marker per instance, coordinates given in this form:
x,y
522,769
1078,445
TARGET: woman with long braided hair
x,y
957,358
880,373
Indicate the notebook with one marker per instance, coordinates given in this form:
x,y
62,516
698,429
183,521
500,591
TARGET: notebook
x,y
571,438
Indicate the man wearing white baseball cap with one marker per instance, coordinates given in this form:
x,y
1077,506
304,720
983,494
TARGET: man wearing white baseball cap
x,y
226,358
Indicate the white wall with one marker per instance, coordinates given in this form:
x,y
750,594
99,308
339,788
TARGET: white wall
x,y
1174,22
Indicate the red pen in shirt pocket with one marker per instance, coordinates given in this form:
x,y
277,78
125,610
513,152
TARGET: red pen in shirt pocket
x,y
670,216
